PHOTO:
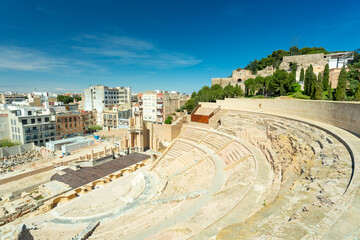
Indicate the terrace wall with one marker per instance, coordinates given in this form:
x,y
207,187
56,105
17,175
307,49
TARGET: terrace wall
x,y
345,115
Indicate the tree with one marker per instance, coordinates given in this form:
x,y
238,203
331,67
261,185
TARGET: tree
x,y
308,79
319,88
250,87
229,91
253,66
326,77
340,93
353,76
238,91
329,92
193,95
302,75
260,84
357,93
65,99
190,105
280,82
168,121
296,88
294,50
294,67
313,84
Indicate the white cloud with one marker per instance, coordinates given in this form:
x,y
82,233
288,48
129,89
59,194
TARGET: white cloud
x,y
131,51
90,53
25,60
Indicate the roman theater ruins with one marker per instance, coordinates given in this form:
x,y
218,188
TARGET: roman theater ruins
x,y
259,169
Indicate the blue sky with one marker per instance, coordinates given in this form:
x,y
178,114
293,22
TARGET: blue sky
x,y
60,46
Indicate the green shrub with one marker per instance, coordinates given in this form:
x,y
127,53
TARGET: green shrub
x,y
168,121
5,142
95,128
258,96
300,96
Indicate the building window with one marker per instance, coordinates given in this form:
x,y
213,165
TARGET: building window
x,y
24,121
32,120
39,120
29,113
46,119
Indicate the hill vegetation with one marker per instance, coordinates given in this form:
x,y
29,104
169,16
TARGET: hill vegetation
x,y
277,56
282,83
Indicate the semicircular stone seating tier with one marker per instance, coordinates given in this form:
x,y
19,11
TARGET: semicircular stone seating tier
x,y
255,176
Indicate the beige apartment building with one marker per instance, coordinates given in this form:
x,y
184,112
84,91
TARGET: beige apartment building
x,y
116,118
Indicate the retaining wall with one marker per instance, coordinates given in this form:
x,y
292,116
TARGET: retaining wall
x,y
345,115
7,151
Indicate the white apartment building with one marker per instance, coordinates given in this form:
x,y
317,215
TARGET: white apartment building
x,y
152,106
338,60
28,125
158,105
99,98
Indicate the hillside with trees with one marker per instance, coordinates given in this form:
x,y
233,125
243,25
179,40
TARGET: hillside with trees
x,y
276,57
282,83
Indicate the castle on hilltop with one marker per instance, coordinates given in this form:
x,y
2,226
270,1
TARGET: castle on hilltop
x,y
319,60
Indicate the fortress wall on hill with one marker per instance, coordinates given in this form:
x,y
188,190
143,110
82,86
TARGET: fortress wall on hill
x,y
345,115
306,59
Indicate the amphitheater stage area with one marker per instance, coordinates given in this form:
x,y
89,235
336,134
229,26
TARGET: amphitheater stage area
x,y
261,169
77,178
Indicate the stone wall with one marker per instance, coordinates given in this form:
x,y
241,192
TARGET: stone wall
x,y
8,151
166,132
345,115
304,60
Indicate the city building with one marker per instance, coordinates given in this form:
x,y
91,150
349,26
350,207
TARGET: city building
x,y
157,106
116,118
28,125
9,98
69,124
101,97
4,125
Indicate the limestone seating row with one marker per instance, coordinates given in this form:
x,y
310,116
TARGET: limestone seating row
x,y
233,153
215,141
194,134
182,162
200,176
144,217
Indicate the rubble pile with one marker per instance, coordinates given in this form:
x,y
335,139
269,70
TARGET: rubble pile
x,y
13,161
